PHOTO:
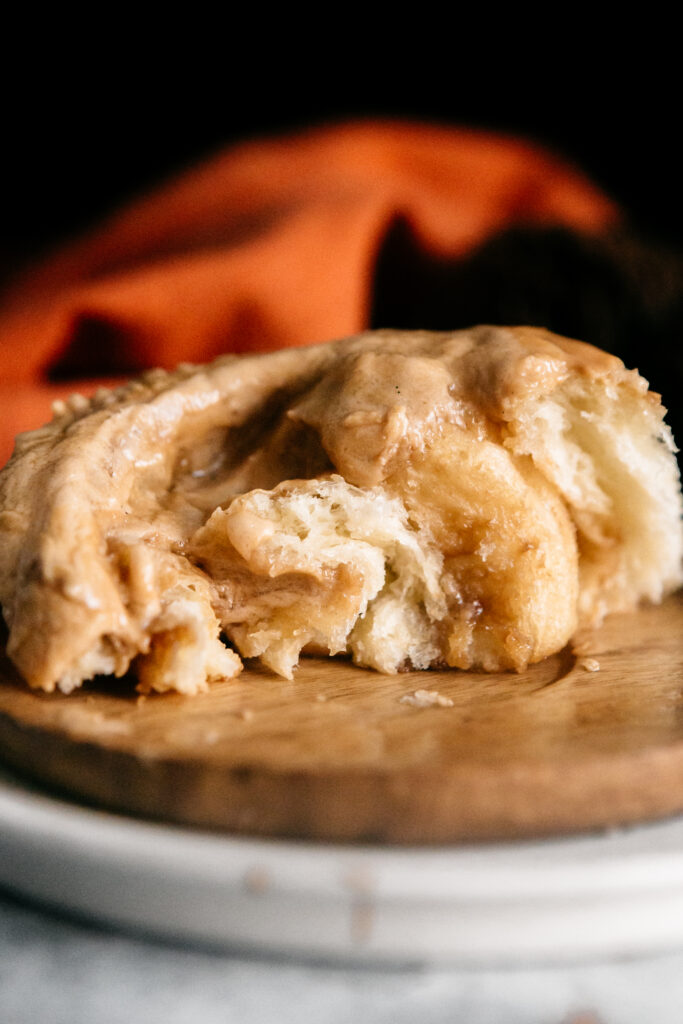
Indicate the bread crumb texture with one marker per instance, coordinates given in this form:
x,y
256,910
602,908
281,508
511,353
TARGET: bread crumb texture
x,y
408,499
426,699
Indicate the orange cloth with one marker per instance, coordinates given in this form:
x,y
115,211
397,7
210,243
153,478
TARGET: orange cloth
x,y
270,243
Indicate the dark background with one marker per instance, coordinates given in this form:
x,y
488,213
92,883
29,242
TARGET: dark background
x,y
102,113
90,121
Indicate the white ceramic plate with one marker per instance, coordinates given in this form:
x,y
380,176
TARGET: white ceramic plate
x,y
591,896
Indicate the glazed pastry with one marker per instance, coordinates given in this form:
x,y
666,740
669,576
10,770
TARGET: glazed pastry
x,y
411,499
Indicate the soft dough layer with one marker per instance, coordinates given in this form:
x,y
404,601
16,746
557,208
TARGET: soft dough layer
x,y
412,499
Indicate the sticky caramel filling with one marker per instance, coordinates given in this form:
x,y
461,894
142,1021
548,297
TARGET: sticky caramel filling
x,y
464,556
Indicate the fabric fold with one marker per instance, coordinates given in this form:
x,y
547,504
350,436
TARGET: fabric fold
x,y
270,243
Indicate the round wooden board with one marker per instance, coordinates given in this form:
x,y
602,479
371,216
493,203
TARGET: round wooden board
x,y
339,754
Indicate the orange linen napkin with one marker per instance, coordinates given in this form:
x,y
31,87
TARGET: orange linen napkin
x,y
270,243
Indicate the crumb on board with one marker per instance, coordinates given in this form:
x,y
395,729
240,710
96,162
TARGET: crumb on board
x,y
426,699
321,698
76,719
246,714
590,664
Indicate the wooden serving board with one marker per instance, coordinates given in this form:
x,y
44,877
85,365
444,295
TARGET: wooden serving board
x,y
338,754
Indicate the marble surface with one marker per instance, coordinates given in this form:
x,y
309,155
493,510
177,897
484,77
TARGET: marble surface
x,y
57,970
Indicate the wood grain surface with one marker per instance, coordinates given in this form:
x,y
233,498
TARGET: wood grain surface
x,y
339,754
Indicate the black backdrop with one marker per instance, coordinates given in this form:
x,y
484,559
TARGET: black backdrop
x,y
98,111
91,120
